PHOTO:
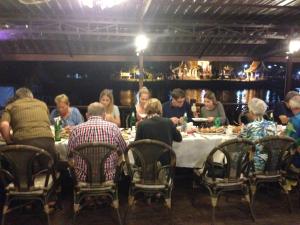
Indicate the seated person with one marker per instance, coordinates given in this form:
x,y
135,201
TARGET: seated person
x,y
148,128
70,116
177,107
28,118
157,128
112,113
212,108
144,96
282,110
258,129
96,129
293,127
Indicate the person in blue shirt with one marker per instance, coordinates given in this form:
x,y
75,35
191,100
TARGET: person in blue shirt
x,y
70,116
176,107
282,110
293,127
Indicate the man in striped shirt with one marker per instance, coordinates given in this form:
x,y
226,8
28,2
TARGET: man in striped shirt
x,y
96,129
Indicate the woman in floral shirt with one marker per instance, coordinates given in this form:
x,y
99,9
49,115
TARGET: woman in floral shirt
x,y
258,129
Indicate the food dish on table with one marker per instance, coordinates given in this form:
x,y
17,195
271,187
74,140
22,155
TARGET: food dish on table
x,y
211,130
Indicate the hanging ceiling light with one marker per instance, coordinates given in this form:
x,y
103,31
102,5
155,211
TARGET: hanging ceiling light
x,y
141,42
103,4
294,46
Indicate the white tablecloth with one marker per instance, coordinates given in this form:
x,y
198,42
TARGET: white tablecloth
x,y
193,150
62,149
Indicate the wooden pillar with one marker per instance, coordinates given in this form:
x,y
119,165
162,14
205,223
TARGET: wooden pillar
x,y
141,69
288,76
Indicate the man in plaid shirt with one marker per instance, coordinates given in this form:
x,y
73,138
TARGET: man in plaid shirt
x,y
96,129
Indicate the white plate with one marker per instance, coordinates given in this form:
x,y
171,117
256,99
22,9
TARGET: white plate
x,y
200,119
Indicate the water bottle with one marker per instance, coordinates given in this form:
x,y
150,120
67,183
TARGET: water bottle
x,y
194,108
57,129
217,122
184,123
132,120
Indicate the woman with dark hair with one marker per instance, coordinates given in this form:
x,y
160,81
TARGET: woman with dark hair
x,y
212,108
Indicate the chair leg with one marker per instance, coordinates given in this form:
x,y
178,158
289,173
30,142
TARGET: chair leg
x,y
286,192
5,210
76,208
115,205
248,199
253,193
47,212
130,205
289,201
214,203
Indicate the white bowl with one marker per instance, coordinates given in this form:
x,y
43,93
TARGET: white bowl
x,y
200,119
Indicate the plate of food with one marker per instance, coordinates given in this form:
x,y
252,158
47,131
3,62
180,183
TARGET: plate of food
x,y
211,130
201,119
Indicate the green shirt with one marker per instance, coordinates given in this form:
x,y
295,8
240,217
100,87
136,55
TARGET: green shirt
x,y
28,118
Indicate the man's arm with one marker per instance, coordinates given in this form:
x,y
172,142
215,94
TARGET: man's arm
x,y
5,132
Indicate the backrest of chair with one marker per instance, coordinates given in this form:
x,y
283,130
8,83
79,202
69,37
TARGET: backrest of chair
x,y
19,163
95,155
275,147
148,156
238,154
244,117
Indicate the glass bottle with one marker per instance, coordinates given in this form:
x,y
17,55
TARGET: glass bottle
x,y
217,122
57,129
132,120
194,108
184,122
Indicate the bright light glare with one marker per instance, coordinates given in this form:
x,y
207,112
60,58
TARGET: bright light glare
x,y
294,46
88,3
108,3
141,42
102,3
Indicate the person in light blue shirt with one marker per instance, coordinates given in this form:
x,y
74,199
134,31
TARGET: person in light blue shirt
x,y
70,116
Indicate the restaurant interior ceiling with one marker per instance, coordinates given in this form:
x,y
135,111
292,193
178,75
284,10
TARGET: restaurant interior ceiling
x,y
212,29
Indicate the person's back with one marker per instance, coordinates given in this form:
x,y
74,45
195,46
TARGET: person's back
x,y
28,118
158,128
96,129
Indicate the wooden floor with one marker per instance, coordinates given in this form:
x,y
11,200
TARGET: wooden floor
x,y
270,209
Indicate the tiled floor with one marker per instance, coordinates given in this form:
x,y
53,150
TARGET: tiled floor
x,y
270,209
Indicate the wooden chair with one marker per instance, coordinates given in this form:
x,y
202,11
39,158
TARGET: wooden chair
x,y
276,148
94,156
151,171
27,181
231,175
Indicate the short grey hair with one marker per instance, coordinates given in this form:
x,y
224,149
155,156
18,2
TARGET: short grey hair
x,y
96,109
23,92
295,102
290,95
257,106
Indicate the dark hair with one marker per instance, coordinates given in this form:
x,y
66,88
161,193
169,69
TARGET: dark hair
x,y
178,93
211,96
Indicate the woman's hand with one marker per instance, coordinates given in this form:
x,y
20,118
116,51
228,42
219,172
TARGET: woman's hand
x,y
210,119
109,117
